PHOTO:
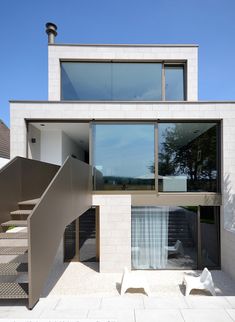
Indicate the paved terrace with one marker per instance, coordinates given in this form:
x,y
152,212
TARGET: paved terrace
x,y
77,292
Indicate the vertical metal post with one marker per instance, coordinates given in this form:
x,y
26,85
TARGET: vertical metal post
x,y
156,155
199,248
97,232
163,83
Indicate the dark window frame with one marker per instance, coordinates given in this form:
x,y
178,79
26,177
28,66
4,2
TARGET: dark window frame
x,y
198,242
156,190
181,63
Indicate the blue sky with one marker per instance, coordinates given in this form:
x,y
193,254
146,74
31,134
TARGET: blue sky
x,y
23,54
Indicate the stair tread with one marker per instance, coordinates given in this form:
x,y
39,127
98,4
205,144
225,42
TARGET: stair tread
x,y
13,290
21,212
13,268
19,223
29,202
13,235
14,250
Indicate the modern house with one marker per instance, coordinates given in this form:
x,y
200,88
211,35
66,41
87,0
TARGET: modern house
x,y
4,144
122,165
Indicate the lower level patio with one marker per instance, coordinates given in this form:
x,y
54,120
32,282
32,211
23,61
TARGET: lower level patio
x,y
78,292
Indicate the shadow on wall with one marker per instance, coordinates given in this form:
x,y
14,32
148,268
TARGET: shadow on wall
x,y
229,205
58,269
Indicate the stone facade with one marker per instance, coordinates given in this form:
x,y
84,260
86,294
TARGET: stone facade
x,y
115,210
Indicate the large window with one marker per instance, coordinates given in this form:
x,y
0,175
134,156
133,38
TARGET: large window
x,y
187,157
123,155
121,81
167,237
125,158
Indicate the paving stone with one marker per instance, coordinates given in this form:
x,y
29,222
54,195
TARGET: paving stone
x,y
77,303
231,313
169,315
165,303
207,302
123,315
205,315
122,302
231,300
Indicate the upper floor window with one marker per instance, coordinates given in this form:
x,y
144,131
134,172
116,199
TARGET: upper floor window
x,y
121,81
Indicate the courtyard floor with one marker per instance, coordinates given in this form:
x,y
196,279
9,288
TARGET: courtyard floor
x,y
77,292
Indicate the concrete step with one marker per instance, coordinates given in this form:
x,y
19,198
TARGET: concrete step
x,y
23,258
16,250
32,202
20,214
13,242
13,290
9,235
14,223
13,268
28,204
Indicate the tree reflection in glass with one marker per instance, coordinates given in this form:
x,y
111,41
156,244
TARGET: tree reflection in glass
x,y
187,157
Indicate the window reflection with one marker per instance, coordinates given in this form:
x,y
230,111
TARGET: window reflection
x,y
164,237
174,79
111,81
123,156
187,157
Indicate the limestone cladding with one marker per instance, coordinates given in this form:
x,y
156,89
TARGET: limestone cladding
x,y
155,53
115,232
113,255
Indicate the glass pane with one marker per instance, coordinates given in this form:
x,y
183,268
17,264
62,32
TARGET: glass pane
x,y
164,237
111,81
137,81
70,241
187,156
209,224
174,78
87,236
85,81
123,156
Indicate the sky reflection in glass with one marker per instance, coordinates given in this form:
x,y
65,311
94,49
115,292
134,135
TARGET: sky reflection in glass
x,y
111,81
124,156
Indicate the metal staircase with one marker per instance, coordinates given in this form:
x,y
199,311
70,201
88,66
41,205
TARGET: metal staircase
x,y
13,244
28,244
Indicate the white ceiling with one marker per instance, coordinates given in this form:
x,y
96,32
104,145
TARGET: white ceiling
x,y
78,132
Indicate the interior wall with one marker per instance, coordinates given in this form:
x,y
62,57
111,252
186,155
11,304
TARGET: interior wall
x,y
69,147
51,147
34,149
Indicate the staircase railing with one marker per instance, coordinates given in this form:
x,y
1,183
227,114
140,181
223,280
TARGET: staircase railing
x,y
66,198
22,179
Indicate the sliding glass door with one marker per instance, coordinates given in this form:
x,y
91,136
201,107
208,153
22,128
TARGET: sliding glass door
x,y
149,237
175,237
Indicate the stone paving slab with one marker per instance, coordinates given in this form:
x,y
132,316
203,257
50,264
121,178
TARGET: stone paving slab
x,y
206,315
165,303
123,302
71,303
124,315
231,300
207,302
170,315
231,313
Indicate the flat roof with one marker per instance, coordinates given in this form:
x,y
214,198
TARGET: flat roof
x,y
127,45
122,102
